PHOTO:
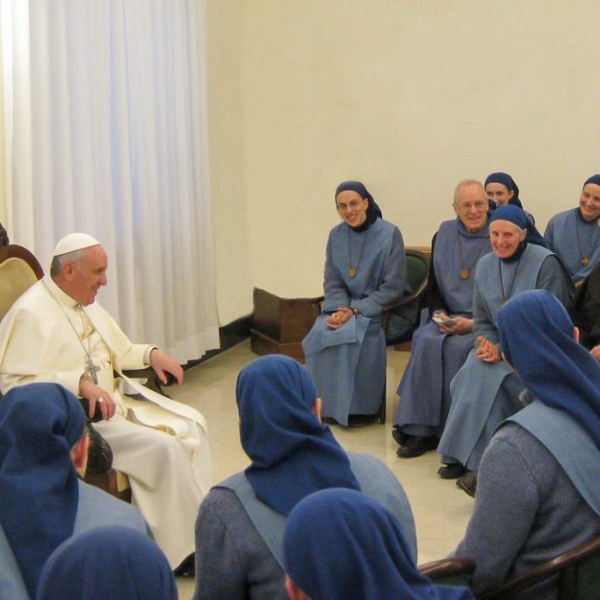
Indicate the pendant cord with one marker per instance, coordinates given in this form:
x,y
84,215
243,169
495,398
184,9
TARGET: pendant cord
x,y
584,258
84,318
461,258
512,283
353,270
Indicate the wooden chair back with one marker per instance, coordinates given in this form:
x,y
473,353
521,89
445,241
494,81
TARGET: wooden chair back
x,y
19,270
408,309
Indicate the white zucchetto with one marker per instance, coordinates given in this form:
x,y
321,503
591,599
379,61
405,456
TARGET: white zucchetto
x,y
74,241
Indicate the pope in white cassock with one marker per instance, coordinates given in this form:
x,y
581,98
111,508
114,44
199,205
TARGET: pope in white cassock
x,y
56,332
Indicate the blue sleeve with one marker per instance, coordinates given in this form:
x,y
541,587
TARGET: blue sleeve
x,y
393,284
549,235
219,571
336,292
505,508
554,278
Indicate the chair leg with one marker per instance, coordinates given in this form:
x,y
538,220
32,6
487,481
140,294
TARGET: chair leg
x,y
112,483
382,406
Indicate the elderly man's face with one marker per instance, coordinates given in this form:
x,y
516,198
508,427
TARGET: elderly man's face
x,y
87,275
471,207
589,202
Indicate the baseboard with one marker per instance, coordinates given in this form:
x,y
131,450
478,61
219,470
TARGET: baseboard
x,y
229,335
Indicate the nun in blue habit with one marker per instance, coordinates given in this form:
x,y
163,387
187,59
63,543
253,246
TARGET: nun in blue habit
x,y
538,494
292,455
574,235
341,545
42,500
364,271
485,391
112,562
39,490
507,193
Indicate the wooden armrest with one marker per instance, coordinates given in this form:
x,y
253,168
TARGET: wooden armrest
x,y
454,570
318,304
152,380
564,566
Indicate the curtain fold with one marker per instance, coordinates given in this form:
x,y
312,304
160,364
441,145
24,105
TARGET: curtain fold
x,y
106,133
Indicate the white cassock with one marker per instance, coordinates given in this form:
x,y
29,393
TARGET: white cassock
x,y
160,444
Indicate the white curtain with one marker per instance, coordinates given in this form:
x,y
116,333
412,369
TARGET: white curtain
x,y
106,133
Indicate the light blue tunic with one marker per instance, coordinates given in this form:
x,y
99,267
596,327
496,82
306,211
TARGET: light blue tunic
x,y
376,481
436,357
573,240
95,508
484,394
348,364
571,445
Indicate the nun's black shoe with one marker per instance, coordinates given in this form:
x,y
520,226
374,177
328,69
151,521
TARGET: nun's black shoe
x,y
361,420
468,483
417,446
451,471
399,437
187,568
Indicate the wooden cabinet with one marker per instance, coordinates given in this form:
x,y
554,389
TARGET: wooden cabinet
x,y
280,324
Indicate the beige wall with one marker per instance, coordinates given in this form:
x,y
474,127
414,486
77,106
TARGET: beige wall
x,y
226,116
407,95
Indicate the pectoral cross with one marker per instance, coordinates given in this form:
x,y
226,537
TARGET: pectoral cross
x,y
585,261
92,369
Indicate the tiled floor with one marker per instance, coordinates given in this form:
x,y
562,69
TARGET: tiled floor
x,y
441,510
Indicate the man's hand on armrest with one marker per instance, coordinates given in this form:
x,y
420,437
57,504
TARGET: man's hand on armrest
x,y
96,395
163,363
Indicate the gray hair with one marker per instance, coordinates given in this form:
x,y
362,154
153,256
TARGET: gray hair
x,y
464,183
4,241
59,261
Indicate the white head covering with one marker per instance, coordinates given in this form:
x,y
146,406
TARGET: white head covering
x,y
73,242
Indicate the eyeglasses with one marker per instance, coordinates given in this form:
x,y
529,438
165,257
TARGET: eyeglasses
x,y
353,204
479,205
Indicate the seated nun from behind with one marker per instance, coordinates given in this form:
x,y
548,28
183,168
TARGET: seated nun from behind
x,y
485,391
112,562
501,190
574,235
43,441
538,494
364,271
341,545
241,521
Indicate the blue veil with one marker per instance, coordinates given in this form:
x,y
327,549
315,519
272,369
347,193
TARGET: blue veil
x,y
39,490
342,545
114,562
292,452
536,335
